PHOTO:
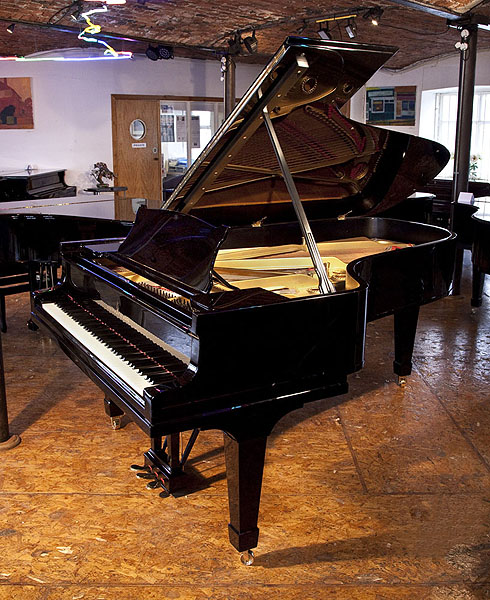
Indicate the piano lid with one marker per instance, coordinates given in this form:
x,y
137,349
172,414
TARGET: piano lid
x,y
338,166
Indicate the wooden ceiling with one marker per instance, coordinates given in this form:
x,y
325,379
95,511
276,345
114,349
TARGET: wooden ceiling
x,y
202,28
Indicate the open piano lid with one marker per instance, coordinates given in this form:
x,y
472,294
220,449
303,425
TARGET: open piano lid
x,y
339,166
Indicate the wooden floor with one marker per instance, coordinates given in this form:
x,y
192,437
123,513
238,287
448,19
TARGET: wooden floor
x,y
386,496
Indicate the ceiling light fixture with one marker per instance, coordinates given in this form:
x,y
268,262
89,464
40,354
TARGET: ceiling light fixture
x,y
11,28
374,15
251,44
159,52
351,29
234,44
119,56
165,52
94,29
152,52
324,31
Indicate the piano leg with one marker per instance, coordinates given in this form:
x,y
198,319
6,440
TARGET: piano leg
x,y
244,469
3,319
113,411
477,287
458,270
405,325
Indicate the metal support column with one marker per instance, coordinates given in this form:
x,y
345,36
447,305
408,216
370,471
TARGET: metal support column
x,y
466,91
228,71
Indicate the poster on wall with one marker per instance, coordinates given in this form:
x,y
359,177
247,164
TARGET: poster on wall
x,y
16,103
391,105
167,128
195,132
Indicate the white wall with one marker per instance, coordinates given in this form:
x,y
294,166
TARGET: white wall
x,y
72,102
72,106
431,75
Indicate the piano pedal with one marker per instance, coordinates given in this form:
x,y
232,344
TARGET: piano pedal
x,y
156,483
247,558
145,476
145,472
140,468
402,380
152,485
116,423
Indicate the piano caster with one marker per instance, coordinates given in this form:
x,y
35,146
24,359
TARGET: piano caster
x,y
116,423
402,380
31,325
247,558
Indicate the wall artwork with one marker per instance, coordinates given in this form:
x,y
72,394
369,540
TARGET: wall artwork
x,y
16,103
391,105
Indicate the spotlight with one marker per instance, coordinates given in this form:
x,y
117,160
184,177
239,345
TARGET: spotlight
x,y
165,52
234,44
251,43
159,52
77,11
374,14
324,32
152,53
351,29
11,28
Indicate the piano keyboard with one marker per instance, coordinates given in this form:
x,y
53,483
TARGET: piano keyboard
x,y
125,350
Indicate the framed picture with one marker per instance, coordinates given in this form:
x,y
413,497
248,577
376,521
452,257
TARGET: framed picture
x,y
16,103
391,105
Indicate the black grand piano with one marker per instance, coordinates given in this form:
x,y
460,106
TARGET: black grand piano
x,y
248,294
34,184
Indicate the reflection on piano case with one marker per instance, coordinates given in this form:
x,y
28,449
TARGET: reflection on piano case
x,y
248,295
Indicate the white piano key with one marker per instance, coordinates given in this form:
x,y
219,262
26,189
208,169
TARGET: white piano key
x,y
122,369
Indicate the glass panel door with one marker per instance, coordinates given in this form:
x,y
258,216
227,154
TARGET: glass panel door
x,y
186,128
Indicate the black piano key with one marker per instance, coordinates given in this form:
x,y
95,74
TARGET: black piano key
x,y
145,356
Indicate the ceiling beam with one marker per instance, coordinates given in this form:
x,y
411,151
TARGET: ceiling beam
x,y
104,35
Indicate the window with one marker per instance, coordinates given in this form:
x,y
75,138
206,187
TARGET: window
x,y
186,128
442,128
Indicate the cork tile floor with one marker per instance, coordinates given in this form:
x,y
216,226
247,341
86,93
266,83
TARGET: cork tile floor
x,y
386,496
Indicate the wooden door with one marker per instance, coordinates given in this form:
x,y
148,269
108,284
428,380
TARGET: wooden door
x,y
137,155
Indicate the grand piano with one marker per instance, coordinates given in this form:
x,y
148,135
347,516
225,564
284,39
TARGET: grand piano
x,y
248,294
31,231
